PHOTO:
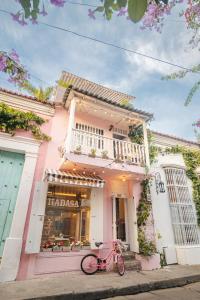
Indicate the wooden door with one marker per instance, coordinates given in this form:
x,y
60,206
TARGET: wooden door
x,y
11,167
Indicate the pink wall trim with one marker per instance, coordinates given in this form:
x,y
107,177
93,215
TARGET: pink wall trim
x,y
149,262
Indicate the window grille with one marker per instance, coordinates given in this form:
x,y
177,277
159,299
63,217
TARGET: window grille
x,y
183,213
90,129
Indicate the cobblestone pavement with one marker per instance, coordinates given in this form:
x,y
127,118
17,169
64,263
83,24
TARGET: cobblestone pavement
x,y
189,292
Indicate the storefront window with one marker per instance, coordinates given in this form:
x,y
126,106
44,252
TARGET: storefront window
x,y
67,219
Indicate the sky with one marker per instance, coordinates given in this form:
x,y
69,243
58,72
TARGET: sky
x,y
46,52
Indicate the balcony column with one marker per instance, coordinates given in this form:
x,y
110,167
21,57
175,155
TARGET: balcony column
x,y
71,123
146,145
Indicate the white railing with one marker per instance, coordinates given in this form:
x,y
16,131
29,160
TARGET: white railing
x,y
101,146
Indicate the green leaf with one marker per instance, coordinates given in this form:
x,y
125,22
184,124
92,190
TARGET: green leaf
x,y
36,5
108,13
108,3
26,5
136,9
115,6
121,3
100,9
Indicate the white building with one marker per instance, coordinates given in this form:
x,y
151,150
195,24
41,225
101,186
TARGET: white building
x,y
175,218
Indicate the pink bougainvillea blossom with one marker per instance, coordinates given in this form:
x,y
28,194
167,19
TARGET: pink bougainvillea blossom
x,y
122,12
10,64
91,14
59,3
198,123
13,55
2,62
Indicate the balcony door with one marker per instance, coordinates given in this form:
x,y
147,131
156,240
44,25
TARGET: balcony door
x,y
120,219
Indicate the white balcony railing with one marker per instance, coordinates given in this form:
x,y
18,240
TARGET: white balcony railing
x,y
83,142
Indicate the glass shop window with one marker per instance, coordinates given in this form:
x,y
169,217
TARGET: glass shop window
x,y
67,219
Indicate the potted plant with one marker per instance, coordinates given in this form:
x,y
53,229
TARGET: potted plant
x,y
86,245
118,159
129,160
104,154
93,152
78,150
76,245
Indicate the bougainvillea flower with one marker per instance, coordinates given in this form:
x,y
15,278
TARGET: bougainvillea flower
x,y
91,14
13,55
2,62
16,17
34,21
122,12
59,3
198,123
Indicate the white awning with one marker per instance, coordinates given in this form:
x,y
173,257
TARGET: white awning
x,y
75,178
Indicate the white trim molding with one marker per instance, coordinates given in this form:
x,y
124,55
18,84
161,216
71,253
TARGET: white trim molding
x,y
13,244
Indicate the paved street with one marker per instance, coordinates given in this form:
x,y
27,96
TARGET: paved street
x,y
73,285
191,292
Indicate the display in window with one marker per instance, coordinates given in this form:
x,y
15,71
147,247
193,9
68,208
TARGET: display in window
x,y
67,219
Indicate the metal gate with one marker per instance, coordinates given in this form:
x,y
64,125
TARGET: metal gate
x,y
11,166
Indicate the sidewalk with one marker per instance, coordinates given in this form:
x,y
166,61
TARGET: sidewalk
x,y
72,286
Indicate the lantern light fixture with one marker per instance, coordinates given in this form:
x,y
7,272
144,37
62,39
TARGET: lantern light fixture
x,y
160,187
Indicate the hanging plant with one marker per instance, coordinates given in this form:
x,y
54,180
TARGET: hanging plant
x,y
12,119
136,134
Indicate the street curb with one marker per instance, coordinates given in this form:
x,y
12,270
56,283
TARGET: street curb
x,y
122,291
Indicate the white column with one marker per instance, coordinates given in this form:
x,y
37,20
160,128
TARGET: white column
x,y
71,122
146,144
132,217
13,244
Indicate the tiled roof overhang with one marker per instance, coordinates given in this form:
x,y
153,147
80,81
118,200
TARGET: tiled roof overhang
x,y
146,115
3,90
74,178
93,88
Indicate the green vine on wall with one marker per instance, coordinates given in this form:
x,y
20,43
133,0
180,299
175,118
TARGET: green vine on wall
x,y
192,161
136,134
12,119
146,247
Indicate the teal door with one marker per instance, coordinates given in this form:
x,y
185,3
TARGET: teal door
x,y
11,166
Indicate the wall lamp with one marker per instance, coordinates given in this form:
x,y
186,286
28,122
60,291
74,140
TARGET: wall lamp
x,y
160,187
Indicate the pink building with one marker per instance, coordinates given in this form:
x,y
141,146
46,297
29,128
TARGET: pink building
x,y
87,179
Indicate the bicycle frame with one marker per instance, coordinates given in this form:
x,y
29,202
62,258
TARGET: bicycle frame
x,y
103,262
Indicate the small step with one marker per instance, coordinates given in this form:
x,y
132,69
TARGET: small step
x,y
132,265
128,255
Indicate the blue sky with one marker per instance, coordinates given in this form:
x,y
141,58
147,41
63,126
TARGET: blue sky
x,y
46,52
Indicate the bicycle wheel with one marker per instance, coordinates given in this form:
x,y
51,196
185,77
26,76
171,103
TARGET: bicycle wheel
x,y
120,265
89,264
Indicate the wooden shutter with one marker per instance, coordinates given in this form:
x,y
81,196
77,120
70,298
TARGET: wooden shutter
x,y
37,218
96,225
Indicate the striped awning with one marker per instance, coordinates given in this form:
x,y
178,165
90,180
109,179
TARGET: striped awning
x,y
74,178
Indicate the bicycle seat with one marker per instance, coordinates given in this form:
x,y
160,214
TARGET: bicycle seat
x,y
98,244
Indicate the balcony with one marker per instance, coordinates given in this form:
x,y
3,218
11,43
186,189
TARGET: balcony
x,y
94,145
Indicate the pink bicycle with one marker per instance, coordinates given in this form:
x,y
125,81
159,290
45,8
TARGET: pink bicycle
x,y
92,263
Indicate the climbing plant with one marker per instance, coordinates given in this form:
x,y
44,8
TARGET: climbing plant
x,y
192,161
146,247
136,134
12,119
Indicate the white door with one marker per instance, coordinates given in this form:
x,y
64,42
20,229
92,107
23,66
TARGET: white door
x,y
120,225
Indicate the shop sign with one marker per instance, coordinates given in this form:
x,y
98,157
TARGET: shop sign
x,y
62,202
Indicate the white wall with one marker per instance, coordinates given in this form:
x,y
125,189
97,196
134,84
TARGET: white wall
x,y
160,205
